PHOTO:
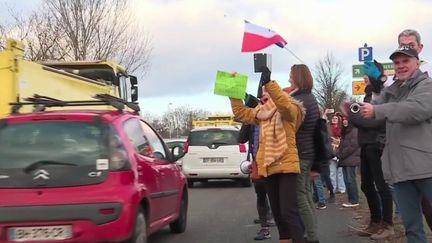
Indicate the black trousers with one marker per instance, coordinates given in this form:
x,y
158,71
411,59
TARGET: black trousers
x,y
282,193
376,190
325,177
263,206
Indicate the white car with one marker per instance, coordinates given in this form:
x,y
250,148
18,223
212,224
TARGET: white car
x,y
214,153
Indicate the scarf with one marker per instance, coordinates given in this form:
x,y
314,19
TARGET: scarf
x,y
336,131
271,132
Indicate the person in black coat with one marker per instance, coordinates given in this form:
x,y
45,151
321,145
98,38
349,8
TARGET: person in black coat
x,y
371,136
301,90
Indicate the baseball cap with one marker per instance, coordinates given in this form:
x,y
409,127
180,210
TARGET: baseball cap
x,y
407,50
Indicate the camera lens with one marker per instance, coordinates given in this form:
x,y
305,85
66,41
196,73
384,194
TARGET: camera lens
x,y
355,107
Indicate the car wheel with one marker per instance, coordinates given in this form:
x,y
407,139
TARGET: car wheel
x,y
246,182
179,226
140,229
190,183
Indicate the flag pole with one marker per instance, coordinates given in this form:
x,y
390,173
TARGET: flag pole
x,y
292,53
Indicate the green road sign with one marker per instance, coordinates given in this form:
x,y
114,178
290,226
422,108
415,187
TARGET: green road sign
x,y
358,71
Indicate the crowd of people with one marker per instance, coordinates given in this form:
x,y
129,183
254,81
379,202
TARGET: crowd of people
x,y
386,140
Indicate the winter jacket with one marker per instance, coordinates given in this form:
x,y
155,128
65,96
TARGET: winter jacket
x,y
370,131
305,134
349,151
407,109
292,117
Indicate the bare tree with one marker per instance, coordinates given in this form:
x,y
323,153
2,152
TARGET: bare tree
x,y
178,121
84,30
329,90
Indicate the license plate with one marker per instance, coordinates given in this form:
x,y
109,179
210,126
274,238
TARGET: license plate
x,y
60,232
213,160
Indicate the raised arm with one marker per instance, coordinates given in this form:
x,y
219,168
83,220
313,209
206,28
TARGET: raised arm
x,y
290,108
242,113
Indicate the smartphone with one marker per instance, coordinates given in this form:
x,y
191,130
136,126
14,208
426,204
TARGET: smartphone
x,y
330,111
262,60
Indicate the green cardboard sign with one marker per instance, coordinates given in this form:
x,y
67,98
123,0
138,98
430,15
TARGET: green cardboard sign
x,y
231,85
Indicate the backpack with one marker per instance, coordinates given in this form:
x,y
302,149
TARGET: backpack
x,y
323,148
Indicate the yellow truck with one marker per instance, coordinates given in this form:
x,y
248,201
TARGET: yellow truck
x,y
77,80
217,121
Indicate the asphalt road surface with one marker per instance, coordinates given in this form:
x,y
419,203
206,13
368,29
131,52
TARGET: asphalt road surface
x,y
223,212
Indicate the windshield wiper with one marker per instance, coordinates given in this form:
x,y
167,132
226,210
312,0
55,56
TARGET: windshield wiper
x,y
36,164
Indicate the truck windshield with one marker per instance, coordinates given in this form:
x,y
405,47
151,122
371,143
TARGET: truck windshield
x,y
75,143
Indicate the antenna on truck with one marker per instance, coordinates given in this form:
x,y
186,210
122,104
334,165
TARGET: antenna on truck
x,y
41,102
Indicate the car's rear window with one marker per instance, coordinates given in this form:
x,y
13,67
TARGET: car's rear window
x,y
207,137
80,143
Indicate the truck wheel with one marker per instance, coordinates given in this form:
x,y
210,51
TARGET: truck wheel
x,y
179,226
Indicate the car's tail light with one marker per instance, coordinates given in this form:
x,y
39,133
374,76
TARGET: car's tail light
x,y
242,148
119,159
185,147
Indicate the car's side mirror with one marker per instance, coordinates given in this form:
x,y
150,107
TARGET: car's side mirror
x,y
158,155
177,152
134,88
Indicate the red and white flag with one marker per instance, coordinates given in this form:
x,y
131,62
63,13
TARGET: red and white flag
x,y
257,37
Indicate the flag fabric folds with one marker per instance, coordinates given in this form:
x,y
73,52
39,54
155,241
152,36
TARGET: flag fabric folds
x,y
257,37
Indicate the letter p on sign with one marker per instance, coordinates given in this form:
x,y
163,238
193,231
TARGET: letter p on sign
x,y
365,54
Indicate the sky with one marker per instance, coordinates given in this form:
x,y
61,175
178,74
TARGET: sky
x,y
194,39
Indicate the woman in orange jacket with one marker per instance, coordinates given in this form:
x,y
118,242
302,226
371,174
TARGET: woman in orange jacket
x,y
279,117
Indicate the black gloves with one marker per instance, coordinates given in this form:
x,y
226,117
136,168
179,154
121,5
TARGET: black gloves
x,y
375,71
265,76
250,101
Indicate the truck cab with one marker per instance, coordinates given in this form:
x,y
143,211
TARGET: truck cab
x,y
74,80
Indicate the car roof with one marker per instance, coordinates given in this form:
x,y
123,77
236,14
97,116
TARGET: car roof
x,y
80,115
227,128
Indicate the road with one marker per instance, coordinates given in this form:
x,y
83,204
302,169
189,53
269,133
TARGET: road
x,y
222,212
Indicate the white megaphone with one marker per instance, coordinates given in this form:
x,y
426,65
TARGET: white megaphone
x,y
246,167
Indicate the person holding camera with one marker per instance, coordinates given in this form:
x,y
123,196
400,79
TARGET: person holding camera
x,y
336,173
371,140
279,117
406,107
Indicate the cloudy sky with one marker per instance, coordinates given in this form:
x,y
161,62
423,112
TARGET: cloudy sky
x,y
193,39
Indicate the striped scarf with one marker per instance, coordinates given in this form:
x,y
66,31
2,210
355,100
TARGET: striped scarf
x,y
272,132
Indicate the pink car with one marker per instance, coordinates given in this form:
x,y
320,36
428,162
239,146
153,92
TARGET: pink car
x,y
87,176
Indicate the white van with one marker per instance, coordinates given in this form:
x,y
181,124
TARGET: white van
x,y
214,153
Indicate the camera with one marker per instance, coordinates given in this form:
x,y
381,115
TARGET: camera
x,y
355,107
262,60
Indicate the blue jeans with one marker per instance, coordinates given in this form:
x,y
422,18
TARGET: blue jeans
x,y
336,177
409,195
349,174
319,189
396,204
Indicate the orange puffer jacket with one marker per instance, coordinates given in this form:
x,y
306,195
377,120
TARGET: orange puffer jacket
x,y
292,117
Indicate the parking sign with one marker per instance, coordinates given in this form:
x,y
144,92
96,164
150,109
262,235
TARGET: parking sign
x,y
365,54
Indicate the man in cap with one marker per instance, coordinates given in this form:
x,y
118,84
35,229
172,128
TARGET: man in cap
x,y
406,107
373,69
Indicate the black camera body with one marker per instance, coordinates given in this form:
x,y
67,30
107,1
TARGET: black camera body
x,y
262,60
